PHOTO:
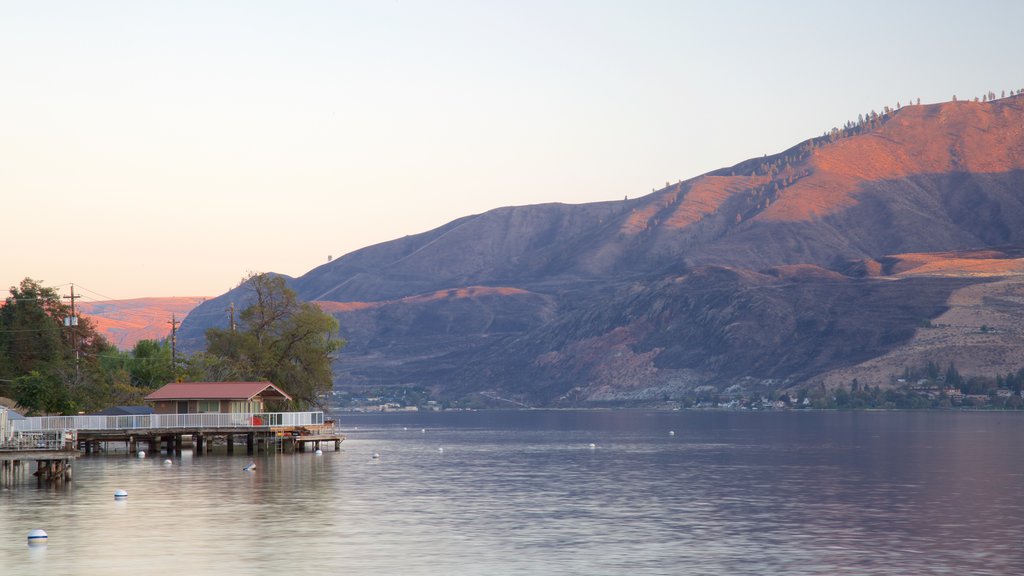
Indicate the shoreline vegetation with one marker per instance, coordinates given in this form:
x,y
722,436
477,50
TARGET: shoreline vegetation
x,y
53,361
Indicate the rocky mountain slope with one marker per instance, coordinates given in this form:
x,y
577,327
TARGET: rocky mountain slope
x,y
789,270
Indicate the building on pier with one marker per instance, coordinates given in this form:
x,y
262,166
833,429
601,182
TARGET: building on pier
x,y
215,397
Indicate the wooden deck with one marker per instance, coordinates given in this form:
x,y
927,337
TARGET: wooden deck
x,y
156,433
51,465
204,440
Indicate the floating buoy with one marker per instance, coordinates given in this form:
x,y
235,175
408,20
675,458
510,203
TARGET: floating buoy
x,y
168,462
120,494
375,456
37,537
671,432
250,467
424,430
142,454
593,446
405,428
319,452
440,449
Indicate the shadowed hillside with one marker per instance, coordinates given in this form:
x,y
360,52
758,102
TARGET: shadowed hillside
x,y
777,270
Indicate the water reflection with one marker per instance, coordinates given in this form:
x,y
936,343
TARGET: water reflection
x,y
523,493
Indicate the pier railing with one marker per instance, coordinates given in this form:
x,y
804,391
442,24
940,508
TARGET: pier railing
x,y
255,420
40,440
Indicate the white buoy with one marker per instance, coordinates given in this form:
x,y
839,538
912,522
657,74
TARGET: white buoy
x,y
405,428
319,452
168,462
142,454
375,456
424,430
37,537
593,446
440,449
120,494
250,467
671,432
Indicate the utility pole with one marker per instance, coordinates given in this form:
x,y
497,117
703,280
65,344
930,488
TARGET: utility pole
x,y
174,346
72,323
232,309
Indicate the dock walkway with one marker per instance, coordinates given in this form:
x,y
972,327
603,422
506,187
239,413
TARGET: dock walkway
x,y
52,451
264,431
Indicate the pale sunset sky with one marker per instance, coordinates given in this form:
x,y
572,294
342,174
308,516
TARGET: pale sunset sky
x,y
167,148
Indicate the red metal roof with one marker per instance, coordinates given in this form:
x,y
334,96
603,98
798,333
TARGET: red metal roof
x,y
217,391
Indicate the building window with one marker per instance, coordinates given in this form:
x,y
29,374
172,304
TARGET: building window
x,y
208,406
245,407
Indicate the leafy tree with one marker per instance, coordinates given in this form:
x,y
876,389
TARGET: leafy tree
x,y
288,342
31,322
37,349
207,367
42,393
152,364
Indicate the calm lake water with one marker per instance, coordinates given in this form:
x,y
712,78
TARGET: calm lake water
x,y
496,493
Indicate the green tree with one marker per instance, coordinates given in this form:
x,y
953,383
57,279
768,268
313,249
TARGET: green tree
x,y
31,322
151,364
288,342
36,344
42,393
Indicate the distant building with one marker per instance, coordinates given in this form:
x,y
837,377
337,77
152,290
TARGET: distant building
x,y
224,397
5,428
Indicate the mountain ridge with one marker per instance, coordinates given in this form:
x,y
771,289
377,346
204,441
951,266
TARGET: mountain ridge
x,y
830,213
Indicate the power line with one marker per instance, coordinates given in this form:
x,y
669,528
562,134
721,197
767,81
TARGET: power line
x,y
97,293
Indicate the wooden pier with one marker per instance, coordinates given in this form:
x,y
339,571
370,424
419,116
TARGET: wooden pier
x,y
51,453
50,466
203,440
157,433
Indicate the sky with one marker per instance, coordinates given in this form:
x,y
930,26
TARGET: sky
x,y
170,148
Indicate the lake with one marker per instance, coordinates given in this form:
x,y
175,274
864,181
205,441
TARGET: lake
x,y
509,493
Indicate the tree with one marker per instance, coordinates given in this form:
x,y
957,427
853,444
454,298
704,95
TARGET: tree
x,y
37,349
147,366
31,322
288,342
152,365
42,393
953,378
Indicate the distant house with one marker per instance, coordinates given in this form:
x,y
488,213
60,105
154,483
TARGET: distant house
x,y
201,397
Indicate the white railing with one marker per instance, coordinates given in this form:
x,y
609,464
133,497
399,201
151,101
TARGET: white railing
x,y
257,420
41,440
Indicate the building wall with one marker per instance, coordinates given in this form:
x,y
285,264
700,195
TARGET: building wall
x,y
165,407
4,434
